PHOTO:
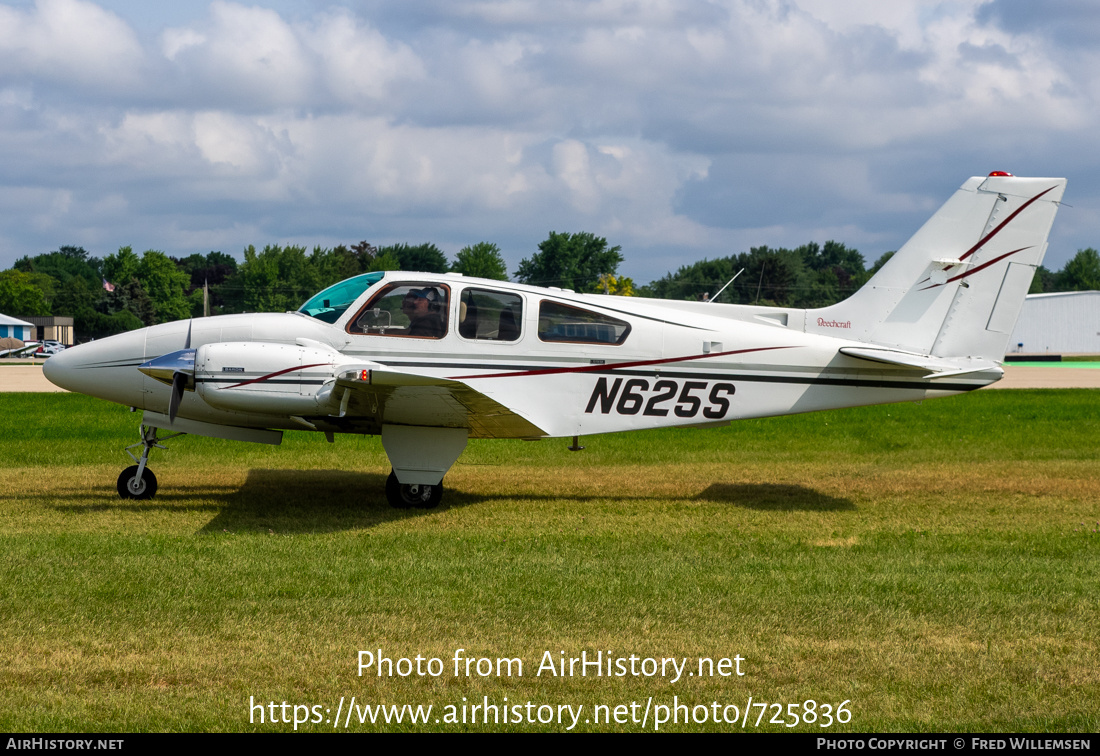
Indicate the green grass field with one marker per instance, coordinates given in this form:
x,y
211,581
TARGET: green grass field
x,y
937,566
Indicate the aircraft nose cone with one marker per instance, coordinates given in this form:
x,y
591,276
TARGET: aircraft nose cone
x,y
106,368
55,368
60,368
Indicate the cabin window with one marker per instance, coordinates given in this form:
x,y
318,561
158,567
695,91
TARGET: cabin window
x,y
331,303
489,315
409,309
560,322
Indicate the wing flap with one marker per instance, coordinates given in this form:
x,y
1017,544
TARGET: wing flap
x,y
400,398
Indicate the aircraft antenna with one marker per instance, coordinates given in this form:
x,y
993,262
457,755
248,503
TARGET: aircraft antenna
x,y
735,275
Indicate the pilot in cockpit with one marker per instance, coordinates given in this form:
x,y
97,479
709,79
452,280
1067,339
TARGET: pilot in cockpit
x,y
422,307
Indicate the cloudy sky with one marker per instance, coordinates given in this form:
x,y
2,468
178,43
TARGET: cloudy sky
x,y
678,129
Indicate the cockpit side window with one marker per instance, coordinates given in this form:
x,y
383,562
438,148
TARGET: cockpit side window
x,y
407,309
560,322
489,315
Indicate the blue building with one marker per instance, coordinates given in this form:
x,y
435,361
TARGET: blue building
x,y
16,329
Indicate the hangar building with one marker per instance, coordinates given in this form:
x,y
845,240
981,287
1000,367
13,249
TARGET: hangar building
x,y
1064,322
15,328
54,327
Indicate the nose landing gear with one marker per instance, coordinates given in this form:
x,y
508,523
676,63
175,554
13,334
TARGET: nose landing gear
x,y
138,481
135,483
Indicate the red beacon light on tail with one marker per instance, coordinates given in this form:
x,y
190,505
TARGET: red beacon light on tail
x,y
1000,173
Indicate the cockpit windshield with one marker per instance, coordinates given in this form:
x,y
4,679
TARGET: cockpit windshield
x,y
330,304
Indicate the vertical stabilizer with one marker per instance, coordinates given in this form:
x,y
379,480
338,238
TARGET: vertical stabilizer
x,y
955,288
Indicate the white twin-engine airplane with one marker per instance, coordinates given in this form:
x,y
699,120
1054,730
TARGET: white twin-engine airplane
x,y
429,361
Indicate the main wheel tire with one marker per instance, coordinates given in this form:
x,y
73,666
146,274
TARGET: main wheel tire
x,y
131,487
403,496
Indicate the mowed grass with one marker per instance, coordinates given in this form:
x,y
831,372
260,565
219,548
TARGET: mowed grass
x,y
936,565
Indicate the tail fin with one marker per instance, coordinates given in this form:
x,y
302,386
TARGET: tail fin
x,y
956,288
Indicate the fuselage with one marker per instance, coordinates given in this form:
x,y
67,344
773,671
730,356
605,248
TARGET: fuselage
x,y
561,363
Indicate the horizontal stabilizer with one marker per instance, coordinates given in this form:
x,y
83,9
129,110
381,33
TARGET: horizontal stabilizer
x,y
932,367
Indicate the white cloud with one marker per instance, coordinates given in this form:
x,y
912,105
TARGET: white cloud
x,y
665,125
245,55
250,58
358,62
175,41
239,144
536,13
571,167
69,41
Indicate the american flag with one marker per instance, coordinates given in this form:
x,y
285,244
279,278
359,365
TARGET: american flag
x,y
108,285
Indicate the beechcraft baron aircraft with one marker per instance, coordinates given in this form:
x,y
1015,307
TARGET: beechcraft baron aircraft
x,y
428,361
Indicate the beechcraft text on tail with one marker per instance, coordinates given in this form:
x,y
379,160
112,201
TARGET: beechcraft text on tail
x,y
429,361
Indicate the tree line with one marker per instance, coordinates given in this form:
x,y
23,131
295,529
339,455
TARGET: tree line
x,y
124,290
820,275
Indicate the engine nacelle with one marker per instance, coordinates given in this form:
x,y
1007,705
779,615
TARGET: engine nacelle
x,y
267,378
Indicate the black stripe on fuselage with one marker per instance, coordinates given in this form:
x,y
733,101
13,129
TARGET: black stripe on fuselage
x,y
815,380
114,364
669,374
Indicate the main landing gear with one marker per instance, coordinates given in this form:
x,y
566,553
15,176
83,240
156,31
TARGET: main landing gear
x,y
138,481
420,456
415,495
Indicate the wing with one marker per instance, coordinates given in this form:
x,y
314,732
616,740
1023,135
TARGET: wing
x,y
368,398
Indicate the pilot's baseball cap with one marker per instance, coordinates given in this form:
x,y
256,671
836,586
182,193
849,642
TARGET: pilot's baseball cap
x,y
430,294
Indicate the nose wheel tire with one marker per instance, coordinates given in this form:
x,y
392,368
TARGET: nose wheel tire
x,y
416,495
130,486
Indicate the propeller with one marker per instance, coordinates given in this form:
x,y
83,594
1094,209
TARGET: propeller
x,y
179,383
177,370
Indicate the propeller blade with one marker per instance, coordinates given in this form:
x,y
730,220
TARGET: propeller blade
x,y
187,344
179,383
